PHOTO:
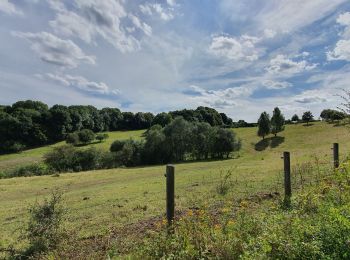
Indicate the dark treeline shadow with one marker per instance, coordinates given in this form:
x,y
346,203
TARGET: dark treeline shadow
x,y
271,142
310,124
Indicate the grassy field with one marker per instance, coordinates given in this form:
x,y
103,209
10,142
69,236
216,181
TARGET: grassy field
x,y
100,200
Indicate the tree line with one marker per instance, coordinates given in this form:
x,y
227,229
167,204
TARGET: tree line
x,y
178,141
27,124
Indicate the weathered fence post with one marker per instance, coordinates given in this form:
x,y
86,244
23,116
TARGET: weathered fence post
x,y
336,155
170,192
287,180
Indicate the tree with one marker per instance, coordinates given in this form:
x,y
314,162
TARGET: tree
x,y
277,121
331,115
72,138
86,136
295,118
162,119
264,125
224,142
307,117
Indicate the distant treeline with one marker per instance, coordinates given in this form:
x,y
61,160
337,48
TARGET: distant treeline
x,y
30,123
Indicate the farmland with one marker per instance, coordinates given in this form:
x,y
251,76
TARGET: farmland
x,y
98,201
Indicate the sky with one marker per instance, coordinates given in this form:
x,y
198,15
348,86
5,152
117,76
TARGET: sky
x,y
241,57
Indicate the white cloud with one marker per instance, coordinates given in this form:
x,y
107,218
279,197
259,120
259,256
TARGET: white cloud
x,y
272,84
80,83
165,14
171,2
54,50
242,48
341,50
286,15
220,98
141,25
268,33
284,66
9,8
97,18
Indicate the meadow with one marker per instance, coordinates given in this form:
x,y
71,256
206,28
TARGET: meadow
x,y
104,200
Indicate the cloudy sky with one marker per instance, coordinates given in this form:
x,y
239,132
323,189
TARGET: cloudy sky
x,y
239,56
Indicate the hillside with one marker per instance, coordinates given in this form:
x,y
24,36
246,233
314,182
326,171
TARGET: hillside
x,y
107,199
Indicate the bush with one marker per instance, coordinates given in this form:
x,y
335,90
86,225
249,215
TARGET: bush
x,y
44,231
117,145
72,138
86,136
67,158
36,169
102,137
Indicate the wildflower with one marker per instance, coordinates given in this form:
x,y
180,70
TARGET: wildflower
x,y
190,213
244,204
225,210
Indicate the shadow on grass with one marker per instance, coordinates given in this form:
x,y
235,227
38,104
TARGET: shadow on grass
x,y
276,141
272,142
310,124
262,144
81,145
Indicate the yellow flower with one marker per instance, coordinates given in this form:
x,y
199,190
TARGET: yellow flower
x,y
190,212
217,226
225,210
231,222
244,204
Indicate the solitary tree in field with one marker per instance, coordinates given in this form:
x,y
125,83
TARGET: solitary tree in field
x,y
307,117
264,125
277,121
295,118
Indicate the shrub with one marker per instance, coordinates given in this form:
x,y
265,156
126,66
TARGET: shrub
x,y
102,137
44,231
36,169
72,138
86,136
60,158
117,146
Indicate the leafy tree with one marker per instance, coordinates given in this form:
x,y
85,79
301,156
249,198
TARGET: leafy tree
x,y
295,118
224,142
72,138
264,125
162,119
331,115
117,146
155,146
307,117
178,138
202,140
277,121
86,136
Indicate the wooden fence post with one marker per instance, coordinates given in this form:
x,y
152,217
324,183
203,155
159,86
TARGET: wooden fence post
x,y
336,155
170,192
287,180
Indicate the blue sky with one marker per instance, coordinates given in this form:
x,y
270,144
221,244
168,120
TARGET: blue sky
x,y
241,57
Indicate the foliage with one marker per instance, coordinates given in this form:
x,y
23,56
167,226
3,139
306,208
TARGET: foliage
x,y
225,182
27,124
67,158
264,125
36,169
331,115
307,117
72,138
101,137
277,121
44,231
86,136
318,227
295,118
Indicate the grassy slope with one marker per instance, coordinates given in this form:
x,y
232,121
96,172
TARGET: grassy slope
x,y
116,196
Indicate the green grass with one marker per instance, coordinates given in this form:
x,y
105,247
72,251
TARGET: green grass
x,y
99,200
